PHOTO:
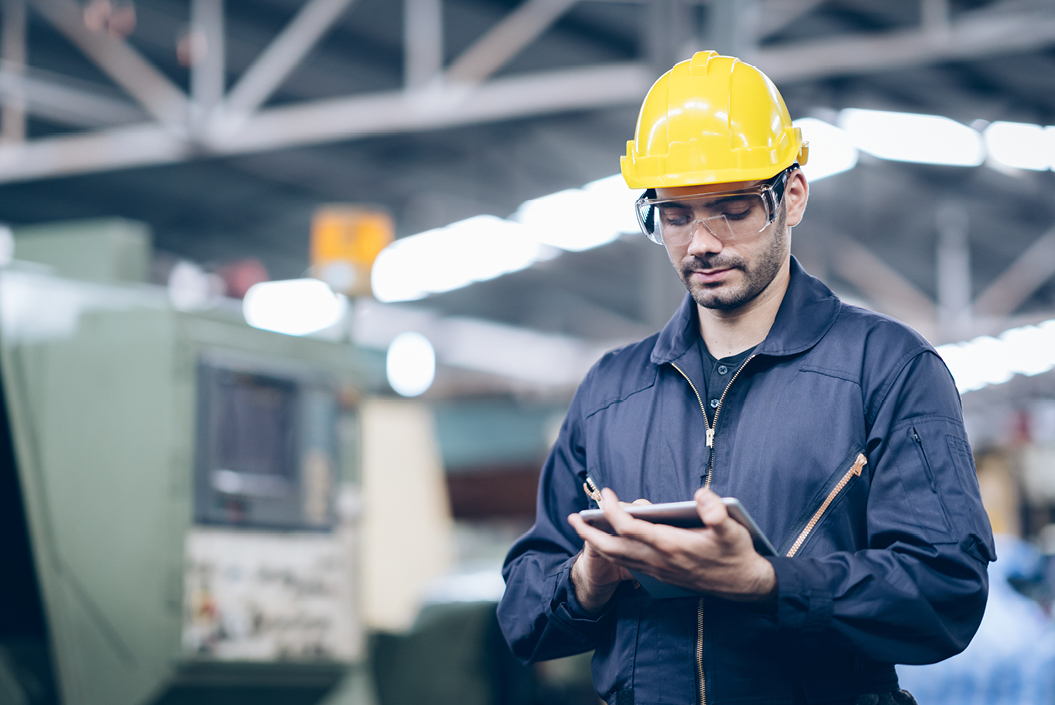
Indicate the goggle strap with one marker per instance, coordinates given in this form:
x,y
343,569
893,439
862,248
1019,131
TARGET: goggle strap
x,y
650,219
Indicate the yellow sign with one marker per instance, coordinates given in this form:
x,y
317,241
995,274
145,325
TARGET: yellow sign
x,y
345,240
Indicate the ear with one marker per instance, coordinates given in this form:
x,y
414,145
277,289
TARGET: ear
x,y
796,193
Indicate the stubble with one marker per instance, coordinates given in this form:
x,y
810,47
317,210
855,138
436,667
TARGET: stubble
x,y
756,276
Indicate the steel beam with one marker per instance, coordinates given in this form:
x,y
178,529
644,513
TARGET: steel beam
x,y
331,120
208,76
13,56
733,28
284,54
422,41
128,69
884,285
953,272
977,34
64,104
402,111
139,145
934,16
1016,284
775,15
506,39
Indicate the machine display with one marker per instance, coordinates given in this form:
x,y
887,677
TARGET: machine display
x,y
266,449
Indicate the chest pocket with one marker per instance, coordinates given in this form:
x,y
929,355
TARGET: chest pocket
x,y
826,502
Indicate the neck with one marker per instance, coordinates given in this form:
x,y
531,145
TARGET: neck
x,y
729,332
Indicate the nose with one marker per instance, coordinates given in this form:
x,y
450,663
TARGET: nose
x,y
702,239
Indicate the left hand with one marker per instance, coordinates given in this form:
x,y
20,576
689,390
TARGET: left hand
x,y
719,558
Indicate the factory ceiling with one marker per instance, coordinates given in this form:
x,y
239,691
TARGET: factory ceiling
x,y
440,110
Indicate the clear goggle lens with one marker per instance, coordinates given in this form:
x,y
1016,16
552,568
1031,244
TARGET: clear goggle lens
x,y
674,221
728,216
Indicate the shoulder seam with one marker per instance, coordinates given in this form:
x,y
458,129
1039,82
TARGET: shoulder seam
x,y
888,384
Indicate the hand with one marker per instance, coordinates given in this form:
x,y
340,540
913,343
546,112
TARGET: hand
x,y
718,559
594,577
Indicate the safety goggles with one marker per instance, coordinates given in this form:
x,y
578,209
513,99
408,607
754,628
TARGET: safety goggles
x,y
727,215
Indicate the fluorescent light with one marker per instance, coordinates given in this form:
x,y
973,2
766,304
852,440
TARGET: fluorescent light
x,y
831,149
410,364
581,219
1021,145
515,353
477,249
293,306
907,137
978,363
617,200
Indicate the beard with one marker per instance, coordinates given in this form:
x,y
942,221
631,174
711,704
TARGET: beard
x,y
756,276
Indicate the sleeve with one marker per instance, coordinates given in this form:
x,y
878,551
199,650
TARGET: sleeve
x,y
539,614
916,594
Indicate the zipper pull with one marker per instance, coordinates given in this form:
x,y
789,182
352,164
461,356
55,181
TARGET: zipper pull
x,y
710,438
592,492
859,464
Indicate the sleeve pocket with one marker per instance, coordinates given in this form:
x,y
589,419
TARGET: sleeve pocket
x,y
964,502
920,476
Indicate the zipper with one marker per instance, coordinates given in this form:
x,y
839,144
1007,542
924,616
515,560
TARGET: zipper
x,y
926,460
706,423
699,653
707,484
854,471
591,490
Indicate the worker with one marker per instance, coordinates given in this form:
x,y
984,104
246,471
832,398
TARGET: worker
x,y
839,430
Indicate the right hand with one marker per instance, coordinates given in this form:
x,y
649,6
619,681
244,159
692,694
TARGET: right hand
x,y
594,577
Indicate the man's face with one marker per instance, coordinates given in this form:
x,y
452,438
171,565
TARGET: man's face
x,y
726,275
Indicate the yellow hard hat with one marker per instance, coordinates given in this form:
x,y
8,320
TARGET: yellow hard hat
x,y
710,120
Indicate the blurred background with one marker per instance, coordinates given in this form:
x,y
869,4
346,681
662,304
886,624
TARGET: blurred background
x,y
294,296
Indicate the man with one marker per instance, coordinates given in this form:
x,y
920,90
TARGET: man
x,y
838,429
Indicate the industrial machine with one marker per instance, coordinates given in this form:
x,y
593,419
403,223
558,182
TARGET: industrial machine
x,y
189,482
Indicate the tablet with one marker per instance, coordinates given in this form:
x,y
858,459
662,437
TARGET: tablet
x,y
684,515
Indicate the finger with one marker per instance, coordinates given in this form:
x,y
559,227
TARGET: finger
x,y
640,502
621,522
630,551
712,511
601,541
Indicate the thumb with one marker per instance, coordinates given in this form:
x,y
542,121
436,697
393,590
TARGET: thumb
x,y
712,511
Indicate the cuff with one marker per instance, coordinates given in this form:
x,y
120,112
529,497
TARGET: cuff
x,y
804,603
567,610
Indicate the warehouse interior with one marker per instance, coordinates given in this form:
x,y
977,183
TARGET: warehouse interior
x,y
176,178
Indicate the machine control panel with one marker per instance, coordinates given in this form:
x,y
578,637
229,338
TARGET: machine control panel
x,y
263,596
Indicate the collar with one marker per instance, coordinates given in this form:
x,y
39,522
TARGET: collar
x,y
806,313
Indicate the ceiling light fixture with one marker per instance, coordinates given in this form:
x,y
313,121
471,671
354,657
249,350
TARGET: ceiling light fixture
x,y
831,149
472,250
410,364
978,363
1021,145
908,137
581,219
293,306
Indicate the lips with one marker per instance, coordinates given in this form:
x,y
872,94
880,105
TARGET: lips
x,y
709,276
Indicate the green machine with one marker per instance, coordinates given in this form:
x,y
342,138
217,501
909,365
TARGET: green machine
x,y
189,482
